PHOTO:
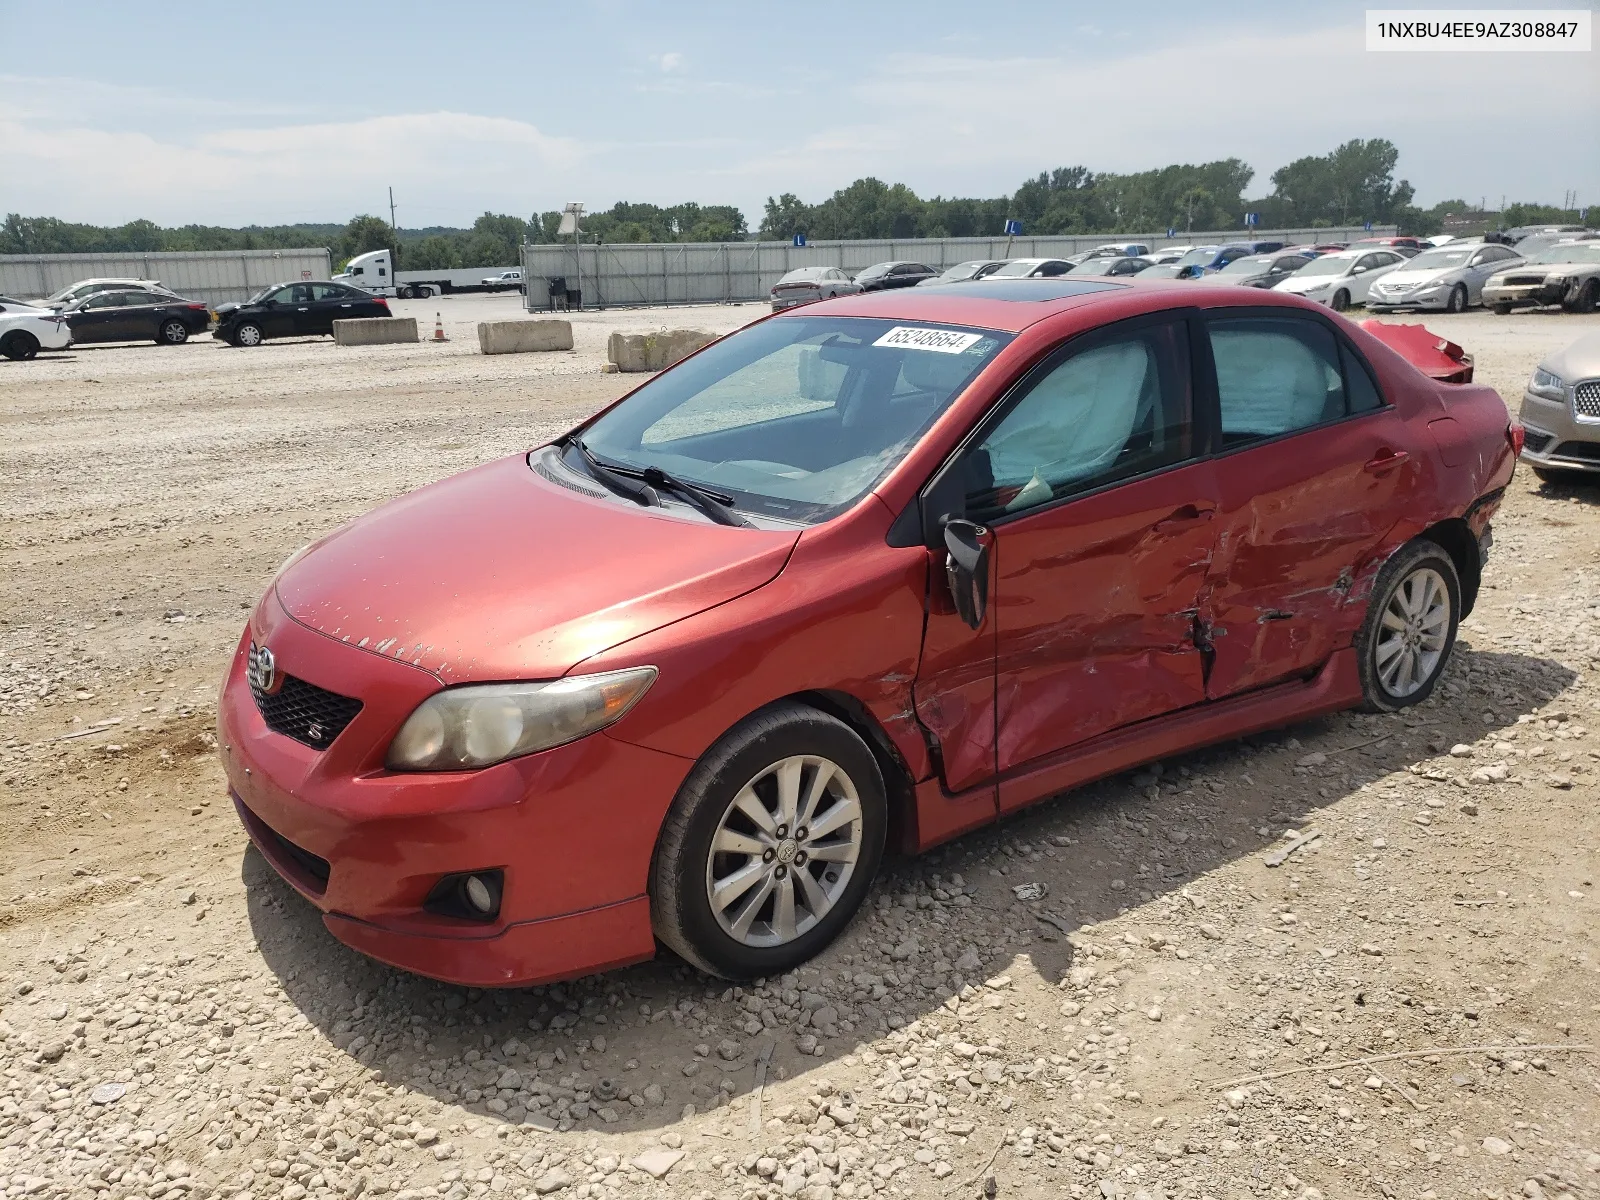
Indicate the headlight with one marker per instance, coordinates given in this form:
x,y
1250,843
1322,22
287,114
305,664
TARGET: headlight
x,y
1546,384
468,727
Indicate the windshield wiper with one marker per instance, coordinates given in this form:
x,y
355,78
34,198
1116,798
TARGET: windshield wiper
x,y
651,480
617,480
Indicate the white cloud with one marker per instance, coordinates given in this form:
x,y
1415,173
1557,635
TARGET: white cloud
x,y
670,61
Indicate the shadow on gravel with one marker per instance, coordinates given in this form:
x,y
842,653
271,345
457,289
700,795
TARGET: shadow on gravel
x,y
619,1051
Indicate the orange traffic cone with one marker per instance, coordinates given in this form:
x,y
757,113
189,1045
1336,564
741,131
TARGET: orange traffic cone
x,y
438,329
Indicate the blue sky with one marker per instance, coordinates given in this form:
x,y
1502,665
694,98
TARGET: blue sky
x,y
284,112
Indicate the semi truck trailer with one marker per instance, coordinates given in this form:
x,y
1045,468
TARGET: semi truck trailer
x,y
374,272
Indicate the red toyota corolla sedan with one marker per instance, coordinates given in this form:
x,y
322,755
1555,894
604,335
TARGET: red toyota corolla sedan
x,y
887,566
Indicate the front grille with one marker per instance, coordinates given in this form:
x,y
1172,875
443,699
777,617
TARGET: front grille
x,y
1587,451
1535,441
1586,399
310,715
1524,280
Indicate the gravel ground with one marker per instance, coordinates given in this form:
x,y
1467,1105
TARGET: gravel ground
x,y
1113,994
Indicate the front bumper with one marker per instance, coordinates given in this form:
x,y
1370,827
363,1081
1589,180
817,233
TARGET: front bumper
x,y
1377,302
573,829
1521,294
1555,439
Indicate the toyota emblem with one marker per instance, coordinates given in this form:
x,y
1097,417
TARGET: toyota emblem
x,y
261,671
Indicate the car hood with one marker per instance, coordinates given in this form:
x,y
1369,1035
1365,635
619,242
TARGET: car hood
x,y
1308,283
1416,277
1579,360
1565,269
500,574
231,306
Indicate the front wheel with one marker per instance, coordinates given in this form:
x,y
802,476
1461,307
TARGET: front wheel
x,y
247,335
1410,629
1587,299
1500,310
770,846
1341,300
173,333
1458,298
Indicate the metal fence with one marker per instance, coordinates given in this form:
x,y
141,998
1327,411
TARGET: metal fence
x,y
215,276
623,276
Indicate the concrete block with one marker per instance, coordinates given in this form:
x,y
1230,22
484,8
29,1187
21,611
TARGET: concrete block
x,y
654,351
520,337
375,331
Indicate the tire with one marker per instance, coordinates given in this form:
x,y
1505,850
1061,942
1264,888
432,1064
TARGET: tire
x,y
745,938
1402,654
1340,301
403,293
1500,310
1458,299
248,334
172,333
424,293
19,344
1588,298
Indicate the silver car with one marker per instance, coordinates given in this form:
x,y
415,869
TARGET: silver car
x,y
975,268
806,284
1450,277
1561,414
1567,274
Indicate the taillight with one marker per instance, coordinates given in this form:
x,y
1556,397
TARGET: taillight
x,y
198,307
1516,435
381,302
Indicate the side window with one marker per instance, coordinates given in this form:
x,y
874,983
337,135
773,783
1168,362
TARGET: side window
x,y
1274,375
1115,410
382,271
358,270
1051,269
1360,389
328,291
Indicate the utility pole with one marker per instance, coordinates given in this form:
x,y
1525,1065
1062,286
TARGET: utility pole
x,y
392,225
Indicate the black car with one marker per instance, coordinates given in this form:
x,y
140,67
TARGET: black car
x,y
135,316
294,310
881,276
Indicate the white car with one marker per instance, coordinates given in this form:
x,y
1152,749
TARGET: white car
x,y
1450,277
1119,250
24,334
1032,268
506,279
85,287
1343,278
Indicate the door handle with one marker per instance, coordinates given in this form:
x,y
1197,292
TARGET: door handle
x,y
1182,518
1385,461
344,306
302,310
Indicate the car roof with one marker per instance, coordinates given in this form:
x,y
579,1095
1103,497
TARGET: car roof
x,y
1012,305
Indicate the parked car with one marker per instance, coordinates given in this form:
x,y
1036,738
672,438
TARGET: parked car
x,y
1112,266
1193,258
1523,232
1166,256
1032,268
294,310
974,268
805,284
1561,413
1118,249
135,316
506,729
1322,248
1342,279
1537,243
1260,270
1567,274
9,304
25,332
504,281
881,276
1450,277
88,287
1405,245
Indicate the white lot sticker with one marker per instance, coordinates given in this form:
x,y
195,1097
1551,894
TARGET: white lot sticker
x,y
945,341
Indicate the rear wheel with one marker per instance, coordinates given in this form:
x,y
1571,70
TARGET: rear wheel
x,y
1341,300
1458,298
173,333
247,334
19,344
403,293
770,846
1410,629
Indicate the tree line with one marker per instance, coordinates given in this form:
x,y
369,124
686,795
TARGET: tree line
x,y
1349,185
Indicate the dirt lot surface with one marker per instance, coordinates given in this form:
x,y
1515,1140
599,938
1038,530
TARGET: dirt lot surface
x,y
175,1022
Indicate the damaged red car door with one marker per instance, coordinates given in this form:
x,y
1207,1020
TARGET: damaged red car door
x,y
1099,516
1313,470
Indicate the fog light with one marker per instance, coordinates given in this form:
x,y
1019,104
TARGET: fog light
x,y
467,896
479,896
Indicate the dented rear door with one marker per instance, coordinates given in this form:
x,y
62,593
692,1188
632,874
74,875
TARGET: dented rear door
x,y
1310,486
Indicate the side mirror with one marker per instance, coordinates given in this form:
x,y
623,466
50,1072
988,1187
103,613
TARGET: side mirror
x,y
966,568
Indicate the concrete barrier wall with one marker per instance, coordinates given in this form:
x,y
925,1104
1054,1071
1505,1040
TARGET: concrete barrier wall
x,y
375,331
521,337
654,351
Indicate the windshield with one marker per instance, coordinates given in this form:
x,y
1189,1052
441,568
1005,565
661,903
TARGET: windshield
x,y
1096,266
805,275
1022,267
1247,266
964,270
1200,254
797,417
1577,252
1440,260
1327,266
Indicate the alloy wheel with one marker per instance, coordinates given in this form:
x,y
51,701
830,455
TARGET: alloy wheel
x,y
784,851
1413,633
